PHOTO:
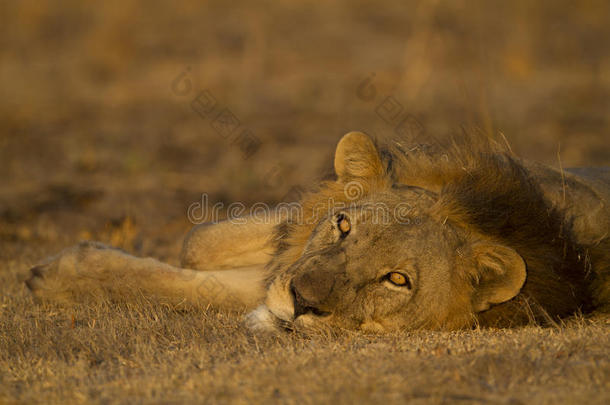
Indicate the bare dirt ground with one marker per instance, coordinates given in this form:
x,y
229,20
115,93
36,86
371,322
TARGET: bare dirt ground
x,y
100,139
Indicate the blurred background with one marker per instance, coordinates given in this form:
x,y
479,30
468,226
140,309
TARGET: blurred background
x,y
117,116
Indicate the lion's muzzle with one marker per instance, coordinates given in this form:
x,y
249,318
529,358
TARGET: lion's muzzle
x,y
304,306
314,287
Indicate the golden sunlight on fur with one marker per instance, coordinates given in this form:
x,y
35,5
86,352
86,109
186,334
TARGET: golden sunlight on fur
x,y
458,235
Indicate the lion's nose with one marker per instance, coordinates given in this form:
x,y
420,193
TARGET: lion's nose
x,y
302,306
311,291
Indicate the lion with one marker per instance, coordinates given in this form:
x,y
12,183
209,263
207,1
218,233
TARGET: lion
x,y
455,236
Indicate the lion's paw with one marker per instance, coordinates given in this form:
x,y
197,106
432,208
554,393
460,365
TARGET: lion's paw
x,y
54,278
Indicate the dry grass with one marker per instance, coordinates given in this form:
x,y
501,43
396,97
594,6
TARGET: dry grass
x,y
95,145
148,353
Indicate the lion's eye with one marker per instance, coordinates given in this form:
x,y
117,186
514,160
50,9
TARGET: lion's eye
x,y
398,279
343,225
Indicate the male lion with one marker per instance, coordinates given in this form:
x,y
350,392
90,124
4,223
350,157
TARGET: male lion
x,y
404,238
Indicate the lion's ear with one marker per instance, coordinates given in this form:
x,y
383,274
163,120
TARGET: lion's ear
x,y
356,156
499,275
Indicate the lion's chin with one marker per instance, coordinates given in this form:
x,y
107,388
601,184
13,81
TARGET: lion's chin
x,y
263,320
277,314
279,301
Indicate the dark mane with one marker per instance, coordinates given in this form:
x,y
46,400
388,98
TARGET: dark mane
x,y
484,188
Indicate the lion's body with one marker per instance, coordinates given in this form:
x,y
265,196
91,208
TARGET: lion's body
x,y
471,234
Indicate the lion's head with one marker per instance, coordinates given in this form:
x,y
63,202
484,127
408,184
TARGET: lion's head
x,y
404,241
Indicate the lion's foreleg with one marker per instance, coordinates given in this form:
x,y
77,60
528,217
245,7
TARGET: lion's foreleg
x,y
242,242
92,270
